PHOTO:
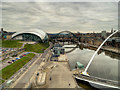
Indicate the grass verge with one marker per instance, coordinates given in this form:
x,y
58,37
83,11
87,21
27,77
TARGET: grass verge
x,y
38,48
0,42
8,71
2,81
11,44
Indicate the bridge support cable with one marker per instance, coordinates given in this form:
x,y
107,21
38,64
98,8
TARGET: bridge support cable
x,y
85,71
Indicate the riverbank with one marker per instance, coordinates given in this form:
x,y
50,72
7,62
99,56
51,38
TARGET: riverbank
x,y
111,49
103,66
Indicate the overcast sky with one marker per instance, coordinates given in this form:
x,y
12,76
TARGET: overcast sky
x,y
60,16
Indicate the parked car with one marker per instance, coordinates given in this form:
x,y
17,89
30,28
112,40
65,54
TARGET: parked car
x,y
9,62
14,55
27,53
10,57
21,56
55,60
55,55
17,58
13,60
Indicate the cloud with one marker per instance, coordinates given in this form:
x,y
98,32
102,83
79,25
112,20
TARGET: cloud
x,y
55,17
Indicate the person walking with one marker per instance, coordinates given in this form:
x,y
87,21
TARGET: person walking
x,y
50,78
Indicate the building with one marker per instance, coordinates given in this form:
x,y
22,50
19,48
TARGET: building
x,y
103,34
58,49
5,35
113,42
31,35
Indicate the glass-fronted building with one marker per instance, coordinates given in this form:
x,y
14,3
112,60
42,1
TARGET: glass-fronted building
x,y
31,35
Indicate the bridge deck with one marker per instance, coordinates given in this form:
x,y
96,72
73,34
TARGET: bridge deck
x,y
76,74
100,81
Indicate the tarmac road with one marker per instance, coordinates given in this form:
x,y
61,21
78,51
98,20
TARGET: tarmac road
x,y
25,78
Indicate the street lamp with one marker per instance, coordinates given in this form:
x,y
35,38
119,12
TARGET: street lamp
x,y
85,71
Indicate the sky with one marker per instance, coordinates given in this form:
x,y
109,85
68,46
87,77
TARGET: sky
x,y
54,17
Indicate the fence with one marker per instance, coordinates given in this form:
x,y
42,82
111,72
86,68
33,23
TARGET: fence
x,y
19,72
100,80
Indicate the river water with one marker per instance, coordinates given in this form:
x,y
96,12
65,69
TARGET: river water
x,y
104,65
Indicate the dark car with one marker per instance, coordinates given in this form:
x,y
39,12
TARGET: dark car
x,y
55,55
21,56
13,60
56,60
14,55
9,62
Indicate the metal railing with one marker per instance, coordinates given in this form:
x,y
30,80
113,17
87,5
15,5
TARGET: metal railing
x,y
19,72
101,80
26,66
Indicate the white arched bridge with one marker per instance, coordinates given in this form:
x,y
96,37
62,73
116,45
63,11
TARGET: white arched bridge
x,y
67,36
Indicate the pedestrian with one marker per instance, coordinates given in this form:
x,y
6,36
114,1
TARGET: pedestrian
x,y
69,84
50,78
37,74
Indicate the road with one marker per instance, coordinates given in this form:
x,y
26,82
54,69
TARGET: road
x,y
24,78
5,63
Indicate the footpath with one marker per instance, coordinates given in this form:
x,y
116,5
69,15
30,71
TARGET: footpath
x,y
111,49
54,74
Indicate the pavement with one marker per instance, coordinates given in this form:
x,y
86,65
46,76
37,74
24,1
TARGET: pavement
x,y
59,72
62,58
61,76
116,50
25,78
27,42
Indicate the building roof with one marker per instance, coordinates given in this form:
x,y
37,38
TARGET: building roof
x,y
57,45
117,39
37,32
79,65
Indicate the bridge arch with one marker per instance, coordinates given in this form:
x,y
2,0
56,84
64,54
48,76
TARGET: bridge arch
x,y
67,33
65,36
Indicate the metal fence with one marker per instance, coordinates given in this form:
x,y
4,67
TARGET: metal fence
x,y
19,72
26,66
101,80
